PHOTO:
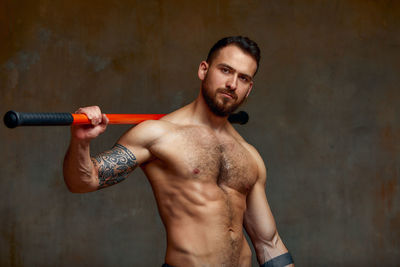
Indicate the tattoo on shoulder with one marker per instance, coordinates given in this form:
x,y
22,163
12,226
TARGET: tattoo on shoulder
x,y
114,165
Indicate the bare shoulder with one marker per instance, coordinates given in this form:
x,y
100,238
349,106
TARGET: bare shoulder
x,y
147,132
262,170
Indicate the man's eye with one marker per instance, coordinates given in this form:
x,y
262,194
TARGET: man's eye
x,y
244,79
225,70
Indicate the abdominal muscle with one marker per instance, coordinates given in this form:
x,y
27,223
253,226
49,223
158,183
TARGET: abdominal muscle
x,y
203,220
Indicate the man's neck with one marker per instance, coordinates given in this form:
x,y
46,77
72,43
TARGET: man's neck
x,y
202,114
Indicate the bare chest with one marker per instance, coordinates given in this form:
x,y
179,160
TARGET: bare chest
x,y
200,155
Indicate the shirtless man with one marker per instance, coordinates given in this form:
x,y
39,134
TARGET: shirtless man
x,y
208,182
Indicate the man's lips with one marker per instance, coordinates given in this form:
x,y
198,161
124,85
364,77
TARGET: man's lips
x,y
228,94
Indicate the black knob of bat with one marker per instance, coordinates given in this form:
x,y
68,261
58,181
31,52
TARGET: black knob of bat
x,y
241,117
11,119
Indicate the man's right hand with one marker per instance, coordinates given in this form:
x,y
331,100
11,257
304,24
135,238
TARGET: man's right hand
x,y
98,124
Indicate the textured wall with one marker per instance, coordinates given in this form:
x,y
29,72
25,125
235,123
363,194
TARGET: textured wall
x,y
324,116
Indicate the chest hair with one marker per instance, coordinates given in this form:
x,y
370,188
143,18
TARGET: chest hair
x,y
226,161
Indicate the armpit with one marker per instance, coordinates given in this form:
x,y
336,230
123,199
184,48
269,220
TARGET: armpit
x,y
114,165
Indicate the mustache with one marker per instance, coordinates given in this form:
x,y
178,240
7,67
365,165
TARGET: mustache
x,y
228,92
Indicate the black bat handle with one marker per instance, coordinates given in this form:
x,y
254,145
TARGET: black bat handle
x,y
13,119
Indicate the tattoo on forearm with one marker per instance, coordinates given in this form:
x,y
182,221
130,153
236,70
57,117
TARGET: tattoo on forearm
x,y
114,165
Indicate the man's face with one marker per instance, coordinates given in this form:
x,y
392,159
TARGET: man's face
x,y
228,80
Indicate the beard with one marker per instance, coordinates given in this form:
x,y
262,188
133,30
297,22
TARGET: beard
x,y
219,108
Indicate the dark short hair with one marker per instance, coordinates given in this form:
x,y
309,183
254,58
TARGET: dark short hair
x,y
248,46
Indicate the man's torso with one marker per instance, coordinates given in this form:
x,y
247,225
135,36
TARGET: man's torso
x,y
201,179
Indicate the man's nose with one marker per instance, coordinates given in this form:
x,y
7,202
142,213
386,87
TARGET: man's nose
x,y
231,83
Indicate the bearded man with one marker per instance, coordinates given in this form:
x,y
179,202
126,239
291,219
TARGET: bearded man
x,y
209,183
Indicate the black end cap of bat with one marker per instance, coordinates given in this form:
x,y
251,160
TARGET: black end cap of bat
x,y
241,117
11,119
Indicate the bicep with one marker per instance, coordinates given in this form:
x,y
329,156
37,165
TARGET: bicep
x,y
114,165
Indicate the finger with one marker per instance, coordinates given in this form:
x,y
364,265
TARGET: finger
x,y
104,123
87,112
104,119
97,117
93,113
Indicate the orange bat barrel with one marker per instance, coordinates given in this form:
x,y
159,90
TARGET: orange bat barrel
x,y
118,118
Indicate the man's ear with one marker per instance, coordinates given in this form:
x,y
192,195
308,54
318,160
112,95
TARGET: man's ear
x,y
249,90
203,68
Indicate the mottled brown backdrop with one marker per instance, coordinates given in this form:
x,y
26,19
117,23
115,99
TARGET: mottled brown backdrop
x,y
324,114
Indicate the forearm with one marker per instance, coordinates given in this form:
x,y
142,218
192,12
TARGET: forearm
x,y
261,227
80,175
269,250
268,247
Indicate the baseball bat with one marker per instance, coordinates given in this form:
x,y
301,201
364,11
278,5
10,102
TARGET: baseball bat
x,y
14,119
